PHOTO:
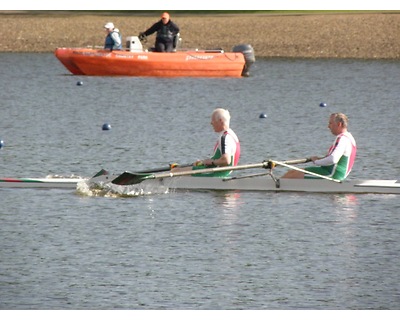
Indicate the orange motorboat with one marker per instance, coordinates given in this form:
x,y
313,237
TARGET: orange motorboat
x,y
134,61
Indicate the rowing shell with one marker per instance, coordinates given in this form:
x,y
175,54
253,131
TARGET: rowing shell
x,y
245,183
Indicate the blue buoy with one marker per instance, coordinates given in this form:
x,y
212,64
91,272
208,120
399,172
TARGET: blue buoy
x,y
1,144
263,115
106,126
322,104
79,83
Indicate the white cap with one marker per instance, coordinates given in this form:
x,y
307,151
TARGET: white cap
x,y
109,25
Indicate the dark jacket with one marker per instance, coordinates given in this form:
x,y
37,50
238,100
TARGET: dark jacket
x,y
165,32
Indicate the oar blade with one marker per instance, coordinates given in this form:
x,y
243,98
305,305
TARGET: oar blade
x,y
128,178
102,172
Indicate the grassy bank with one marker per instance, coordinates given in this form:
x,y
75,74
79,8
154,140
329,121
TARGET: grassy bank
x,y
321,34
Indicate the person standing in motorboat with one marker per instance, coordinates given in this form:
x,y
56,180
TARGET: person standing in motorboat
x,y
166,32
339,161
113,39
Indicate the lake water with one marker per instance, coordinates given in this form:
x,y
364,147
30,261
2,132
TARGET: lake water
x,y
196,250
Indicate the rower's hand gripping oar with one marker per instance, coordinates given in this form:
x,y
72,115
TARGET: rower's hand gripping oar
x,y
129,178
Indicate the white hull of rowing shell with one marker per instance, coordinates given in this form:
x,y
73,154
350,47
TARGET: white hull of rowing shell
x,y
260,183
264,183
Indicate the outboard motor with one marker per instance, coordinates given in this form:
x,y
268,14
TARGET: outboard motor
x,y
249,57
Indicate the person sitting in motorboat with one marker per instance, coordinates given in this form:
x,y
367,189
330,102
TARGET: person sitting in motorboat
x,y
166,33
226,149
339,161
113,39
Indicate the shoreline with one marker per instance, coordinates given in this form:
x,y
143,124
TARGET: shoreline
x,y
316,35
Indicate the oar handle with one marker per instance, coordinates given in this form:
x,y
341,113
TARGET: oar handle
x,y
272,164
297,161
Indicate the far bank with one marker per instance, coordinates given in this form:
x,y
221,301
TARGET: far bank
x,y
343,35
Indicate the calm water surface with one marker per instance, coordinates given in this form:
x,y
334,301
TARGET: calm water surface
x,y
196,250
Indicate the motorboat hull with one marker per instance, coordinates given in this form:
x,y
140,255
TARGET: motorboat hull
x,y
99,62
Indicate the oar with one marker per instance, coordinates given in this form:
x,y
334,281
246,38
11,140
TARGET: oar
x,y
171,166
128,178
285,164
125,177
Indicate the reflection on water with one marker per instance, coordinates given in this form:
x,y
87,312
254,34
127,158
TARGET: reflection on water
x,y
346,206
231,200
